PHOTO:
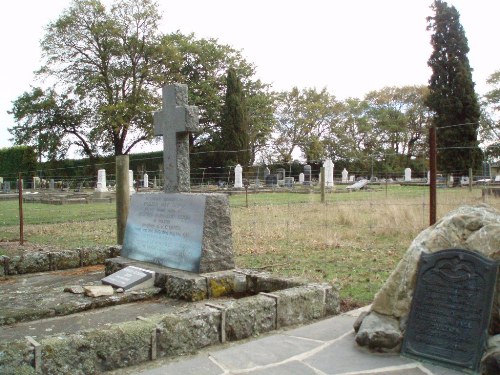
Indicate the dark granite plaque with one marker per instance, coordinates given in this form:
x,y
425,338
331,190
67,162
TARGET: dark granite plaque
x,y
165,229
127,277
451,308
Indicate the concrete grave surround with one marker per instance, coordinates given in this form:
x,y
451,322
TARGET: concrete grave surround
x,y
474,228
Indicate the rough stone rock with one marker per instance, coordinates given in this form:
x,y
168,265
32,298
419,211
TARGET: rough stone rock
x,y
217,245
98,290
358,321
474,228
380,332
490,364
75,289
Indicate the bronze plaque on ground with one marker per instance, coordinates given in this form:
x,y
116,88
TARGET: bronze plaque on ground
x,y
451,308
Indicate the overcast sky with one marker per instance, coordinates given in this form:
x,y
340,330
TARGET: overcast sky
x,y
349,47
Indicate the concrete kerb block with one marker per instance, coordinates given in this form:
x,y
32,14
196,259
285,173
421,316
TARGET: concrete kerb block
x,y
220,284
276,300
4,265
190,287
258,282
37,353
187,331
222,311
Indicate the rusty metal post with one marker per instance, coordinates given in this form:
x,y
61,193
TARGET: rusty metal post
x,y
21,214
432,182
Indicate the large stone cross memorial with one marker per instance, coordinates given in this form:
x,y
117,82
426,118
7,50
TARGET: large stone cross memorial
x,y
178,229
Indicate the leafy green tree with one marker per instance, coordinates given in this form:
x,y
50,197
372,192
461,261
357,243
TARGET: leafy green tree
x,y
303,118
452,98
234,123
490,120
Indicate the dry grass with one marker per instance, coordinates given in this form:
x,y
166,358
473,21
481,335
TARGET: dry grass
x,y
353,240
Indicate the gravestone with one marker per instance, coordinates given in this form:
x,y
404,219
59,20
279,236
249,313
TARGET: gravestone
x,y
272,179
101,181
51,184
238,176
352,178
301,178
131,181
128,277
407,174
289,182
145,179
345,176
451,307
190,232
280,174
307,174
497,178
6,187
328,165
174,122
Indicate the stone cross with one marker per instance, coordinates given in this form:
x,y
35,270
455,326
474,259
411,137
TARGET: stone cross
x,y
174,122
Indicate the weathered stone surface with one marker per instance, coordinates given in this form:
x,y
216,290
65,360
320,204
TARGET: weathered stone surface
x,y
16,357
359,320
263,282
472,228
188,331
98,290
249,317
75,289
299,305
220,283
217,246
29,263
380,332
62,260
188,287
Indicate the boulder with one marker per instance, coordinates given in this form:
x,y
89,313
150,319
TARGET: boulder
x,y
474,228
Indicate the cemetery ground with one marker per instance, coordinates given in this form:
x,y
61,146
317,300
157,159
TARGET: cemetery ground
x,y
353,240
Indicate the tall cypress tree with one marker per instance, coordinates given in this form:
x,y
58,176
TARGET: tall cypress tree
x,y
452,97
234,123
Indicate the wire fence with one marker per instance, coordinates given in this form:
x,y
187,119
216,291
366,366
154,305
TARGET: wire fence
x,y
351,238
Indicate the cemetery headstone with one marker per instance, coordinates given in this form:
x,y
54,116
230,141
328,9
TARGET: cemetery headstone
x,y
328,165
289,181
238,176
174,122
451,308
6,187
190,232
272,180
497,178
307,174
131,181
128,277
352,178
301,178
51,184
145,179
407,174
345,176
280,173
101,181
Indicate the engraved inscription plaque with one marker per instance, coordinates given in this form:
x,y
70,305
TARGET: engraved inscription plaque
x,y
165,229
451,308
127,277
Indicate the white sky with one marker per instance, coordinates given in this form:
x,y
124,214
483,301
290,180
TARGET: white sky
x,y
350,47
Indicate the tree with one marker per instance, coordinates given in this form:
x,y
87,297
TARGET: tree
x,y
234,123
490,120
302,120
452,98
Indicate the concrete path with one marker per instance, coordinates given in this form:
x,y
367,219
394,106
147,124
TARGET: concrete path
x,y
324,347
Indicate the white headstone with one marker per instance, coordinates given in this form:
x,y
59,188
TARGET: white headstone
x,y
131,181
451,179
497,178
407,174
328,165
238,176
301,178
146,180
101,181
352,178
345,176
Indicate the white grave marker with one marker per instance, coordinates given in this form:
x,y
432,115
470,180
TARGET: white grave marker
x,y
146,180
301,178
101,181
345,176
238,176
407,174
328,165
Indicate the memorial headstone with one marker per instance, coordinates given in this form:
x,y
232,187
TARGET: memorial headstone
x,y
272,180
352,178
407,175
51,184
174,122
451,308
128,277
145,179
190,232
345,176
307,174
101,181
289,181
280,173
328,165
238,176
6,187
131,181
497,178
301,178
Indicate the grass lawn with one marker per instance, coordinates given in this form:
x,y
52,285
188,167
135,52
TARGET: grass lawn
x,y
353,240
